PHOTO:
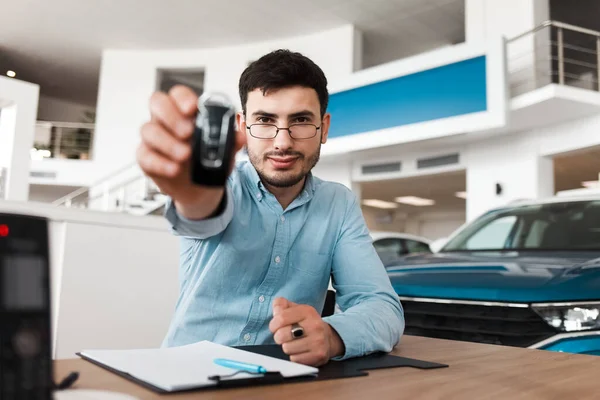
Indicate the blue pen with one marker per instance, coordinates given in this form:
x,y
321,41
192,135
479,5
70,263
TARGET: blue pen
x,y
240,366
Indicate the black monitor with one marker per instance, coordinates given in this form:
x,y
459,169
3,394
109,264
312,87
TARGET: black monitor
x,y
25,328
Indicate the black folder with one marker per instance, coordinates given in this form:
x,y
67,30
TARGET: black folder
x,y
350,368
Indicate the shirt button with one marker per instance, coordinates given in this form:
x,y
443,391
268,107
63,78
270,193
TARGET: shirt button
x,y
282,218
261,299
277,259
247,337
259,196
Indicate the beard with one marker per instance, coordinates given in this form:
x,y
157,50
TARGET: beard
x,y
283,179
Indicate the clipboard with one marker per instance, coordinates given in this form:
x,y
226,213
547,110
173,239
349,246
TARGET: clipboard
x,y
193,367
354,367
270,378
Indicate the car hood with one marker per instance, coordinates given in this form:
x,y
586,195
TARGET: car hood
x,y
499,276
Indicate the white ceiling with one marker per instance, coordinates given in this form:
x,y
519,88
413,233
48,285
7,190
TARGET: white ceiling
x,y
58,43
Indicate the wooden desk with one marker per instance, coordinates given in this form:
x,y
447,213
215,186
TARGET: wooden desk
x,y
476,371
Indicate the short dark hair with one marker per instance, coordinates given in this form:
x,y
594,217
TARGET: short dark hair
x,y
283,68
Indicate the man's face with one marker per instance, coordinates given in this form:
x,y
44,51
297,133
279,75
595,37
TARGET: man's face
x,y
284,161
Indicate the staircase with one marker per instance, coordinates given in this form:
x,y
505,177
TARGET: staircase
x,y
125,190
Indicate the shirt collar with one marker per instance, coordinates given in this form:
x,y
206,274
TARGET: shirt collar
x,y
309,185
252,177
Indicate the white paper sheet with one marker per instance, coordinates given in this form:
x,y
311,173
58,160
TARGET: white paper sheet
x,y
187,367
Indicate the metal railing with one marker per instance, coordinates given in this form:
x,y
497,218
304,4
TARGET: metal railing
x,y
81,196
67,140
554,52
124,190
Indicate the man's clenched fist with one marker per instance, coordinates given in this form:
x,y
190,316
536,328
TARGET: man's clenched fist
x,y
320,341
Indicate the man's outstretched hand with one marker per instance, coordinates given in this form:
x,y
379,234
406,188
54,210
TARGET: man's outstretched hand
x,y
320,341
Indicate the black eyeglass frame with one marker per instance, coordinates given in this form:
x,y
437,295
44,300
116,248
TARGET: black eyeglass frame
x,y
289,129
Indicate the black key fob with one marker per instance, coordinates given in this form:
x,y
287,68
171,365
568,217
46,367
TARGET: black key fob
x,y
213,140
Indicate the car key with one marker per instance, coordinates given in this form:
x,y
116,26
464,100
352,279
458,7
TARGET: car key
x,y
213,140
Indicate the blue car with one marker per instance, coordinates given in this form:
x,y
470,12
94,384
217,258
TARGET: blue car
x,y
524,275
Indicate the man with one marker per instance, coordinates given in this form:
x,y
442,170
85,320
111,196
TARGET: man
x,y
257,255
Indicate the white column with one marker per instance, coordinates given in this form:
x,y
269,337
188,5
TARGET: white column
x,y
17,128
528,57
358,51
340,172
503,170
488,19
475,21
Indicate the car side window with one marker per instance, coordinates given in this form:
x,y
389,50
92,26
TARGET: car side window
x,y
536,234
388,246
414,246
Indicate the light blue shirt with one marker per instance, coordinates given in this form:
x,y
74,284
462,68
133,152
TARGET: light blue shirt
x,y
234,265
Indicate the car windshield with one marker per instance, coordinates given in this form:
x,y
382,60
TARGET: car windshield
x,y
571,225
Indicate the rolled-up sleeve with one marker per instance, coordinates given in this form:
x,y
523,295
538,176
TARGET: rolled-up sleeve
x,y
200,229
372,318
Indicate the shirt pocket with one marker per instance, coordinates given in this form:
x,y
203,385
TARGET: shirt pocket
x,y
308,277
310,262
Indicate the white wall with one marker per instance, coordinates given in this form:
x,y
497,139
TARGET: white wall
x,y
522,162
53,109
17,127
120,294
114,278
8,118
408,155
488,19
515,163
573,135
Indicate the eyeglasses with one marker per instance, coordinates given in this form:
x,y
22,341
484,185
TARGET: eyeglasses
x,y
296,131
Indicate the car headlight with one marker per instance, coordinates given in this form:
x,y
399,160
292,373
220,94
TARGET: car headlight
x,y
571,318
